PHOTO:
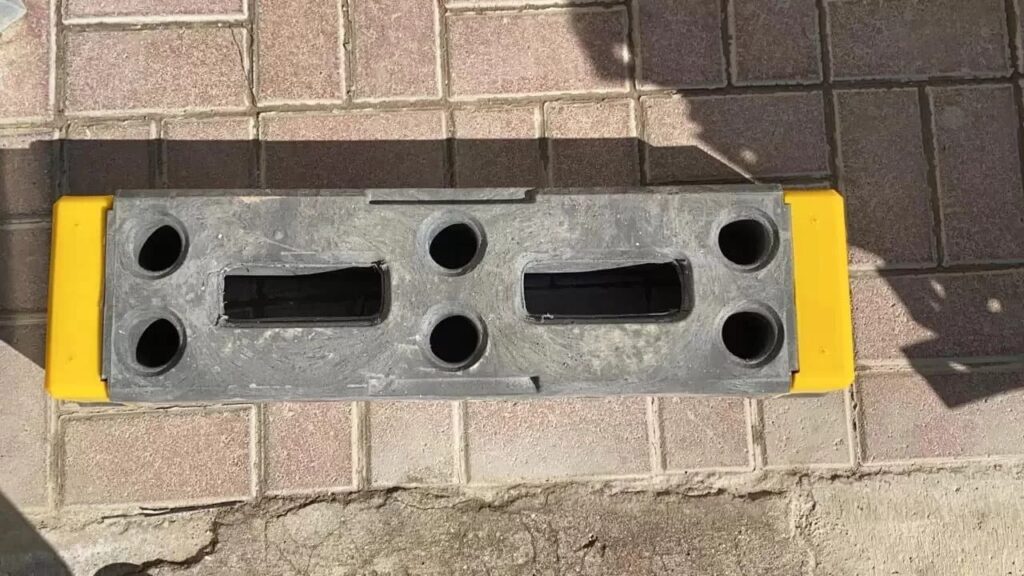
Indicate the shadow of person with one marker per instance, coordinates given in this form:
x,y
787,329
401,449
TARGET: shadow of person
x,y
22,549
937,324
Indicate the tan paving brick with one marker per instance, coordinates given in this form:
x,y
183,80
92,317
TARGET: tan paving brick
x,y
704,432
163,69
775,42
806,430
109,156
380,149
308,446
25,55
24,268
477,4
411,443
23,416
167,456
911,39
395,48
592,144
722,137
554,51
211,153
979,176
884,177
547,439
906,416
123,9
299,55
498,147
948,315
680,44
27,172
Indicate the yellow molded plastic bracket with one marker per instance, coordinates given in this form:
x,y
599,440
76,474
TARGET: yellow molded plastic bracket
x,y
74,333
821,284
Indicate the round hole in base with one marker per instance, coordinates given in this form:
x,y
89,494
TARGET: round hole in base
x,y
746,242
161,250
455,340
454,246
750,336
158,344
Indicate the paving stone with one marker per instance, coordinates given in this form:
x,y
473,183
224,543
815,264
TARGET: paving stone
x,y
411,443
308,446
535,52
27,168
395,48
592,144
470,4
681,44
24,268
161,457
163,69
92,9
906,415
25,64
23,416
775,42
806,430
547,439
939,316
978,163
884,177
105,157
299,51
498,147
710,138
380,149
211,153
704,432
912,39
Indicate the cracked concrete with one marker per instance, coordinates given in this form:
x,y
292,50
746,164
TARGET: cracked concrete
x,y
954,521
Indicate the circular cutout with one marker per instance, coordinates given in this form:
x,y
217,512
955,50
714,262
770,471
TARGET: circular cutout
x,y
750,336
747,242
158,344
161,250
455,340
455,246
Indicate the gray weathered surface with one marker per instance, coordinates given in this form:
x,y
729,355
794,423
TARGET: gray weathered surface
x,y
573,228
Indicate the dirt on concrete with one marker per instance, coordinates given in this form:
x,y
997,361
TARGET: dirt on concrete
x,y
956,521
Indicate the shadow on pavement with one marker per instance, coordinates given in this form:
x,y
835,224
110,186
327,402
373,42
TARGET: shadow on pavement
x,y
22,549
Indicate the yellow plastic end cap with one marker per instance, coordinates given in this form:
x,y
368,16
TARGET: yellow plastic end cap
x,y
74,331
821,284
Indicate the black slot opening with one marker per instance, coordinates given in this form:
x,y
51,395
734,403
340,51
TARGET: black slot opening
x,y
345,295
637,293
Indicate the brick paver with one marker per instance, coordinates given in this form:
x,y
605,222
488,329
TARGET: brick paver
x,y
145,458
911,39
979,179
806,430
411,443
25,64
884,178
28,165
906,416
299,51
308,446
703,433
165,69
774,42
910,109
